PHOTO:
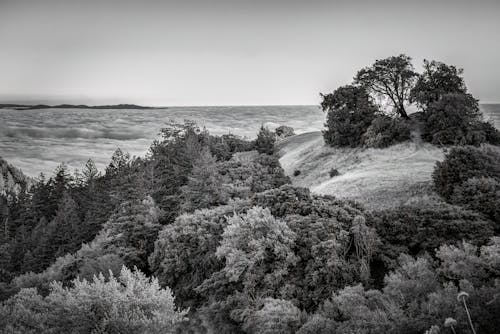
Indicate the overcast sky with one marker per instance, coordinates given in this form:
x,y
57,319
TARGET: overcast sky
x,y
231,52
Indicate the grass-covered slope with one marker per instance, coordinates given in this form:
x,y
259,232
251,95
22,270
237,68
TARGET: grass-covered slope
x,y
378,178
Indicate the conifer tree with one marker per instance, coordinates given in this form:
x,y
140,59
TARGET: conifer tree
x,y
204,187
265,141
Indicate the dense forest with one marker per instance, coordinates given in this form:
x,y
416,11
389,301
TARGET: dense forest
x,y
206,234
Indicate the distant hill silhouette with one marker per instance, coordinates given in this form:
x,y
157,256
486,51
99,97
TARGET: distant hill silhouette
x,y
74,106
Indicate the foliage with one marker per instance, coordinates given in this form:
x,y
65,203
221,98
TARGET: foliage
x,y
463,163
350,112
184,252
481,194
392,78
333,172
248,243
254,173
385,131
437,80
274,316
422,227
455,119
265,141
129,303
204,186
419,294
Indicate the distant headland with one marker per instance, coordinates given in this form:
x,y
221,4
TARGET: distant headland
x,y
73,106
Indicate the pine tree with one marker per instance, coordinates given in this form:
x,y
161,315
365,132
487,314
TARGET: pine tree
x,y
204,187
64,227
265,141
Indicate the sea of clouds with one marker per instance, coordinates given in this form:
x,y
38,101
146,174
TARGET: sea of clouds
x,y
39,140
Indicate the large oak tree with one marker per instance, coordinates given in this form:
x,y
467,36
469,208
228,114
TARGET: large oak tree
x,y
392,78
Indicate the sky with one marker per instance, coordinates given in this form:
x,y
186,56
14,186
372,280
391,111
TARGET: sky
x,y
231,52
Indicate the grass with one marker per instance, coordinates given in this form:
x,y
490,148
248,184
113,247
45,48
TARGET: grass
x,y
378,178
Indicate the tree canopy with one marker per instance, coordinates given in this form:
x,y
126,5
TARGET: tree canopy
x,y
392,78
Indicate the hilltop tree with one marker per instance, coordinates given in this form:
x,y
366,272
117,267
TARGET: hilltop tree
x,y
455,119
392,78
350,112
436,80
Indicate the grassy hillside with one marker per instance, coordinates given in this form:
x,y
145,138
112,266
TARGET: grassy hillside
x,y
378,178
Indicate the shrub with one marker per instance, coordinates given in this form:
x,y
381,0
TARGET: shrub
x,y
350,112
284,131
131,303
425,226
255,173
184,253
455,119
385,131
333,172
481,194
296,172
463,163
265,141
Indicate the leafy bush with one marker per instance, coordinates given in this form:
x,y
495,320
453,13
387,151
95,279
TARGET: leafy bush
x,y
296,172
131,303
455,119
256,173
463,163
419,228
333,172
419,294
385,131
275,316
349,113
184,253
265,141
479,194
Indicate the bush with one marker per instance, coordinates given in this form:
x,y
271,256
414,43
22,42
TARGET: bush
x,y
463,163
184,253
385,131
423,227
265,141
455,119
296,172
333,172
350,112
255,173
130,303
481,194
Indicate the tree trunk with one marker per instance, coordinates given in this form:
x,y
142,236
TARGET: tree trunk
x,y
402,112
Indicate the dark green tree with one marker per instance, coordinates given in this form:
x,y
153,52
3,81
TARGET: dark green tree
x,y
437,80
392,78
350,112
265,141
204,187
455,119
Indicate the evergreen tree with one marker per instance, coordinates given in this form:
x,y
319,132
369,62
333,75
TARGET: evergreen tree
x,y
265,141
64,227
204,187
350,112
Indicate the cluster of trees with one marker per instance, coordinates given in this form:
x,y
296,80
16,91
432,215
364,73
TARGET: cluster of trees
x,y
449,115
207,234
